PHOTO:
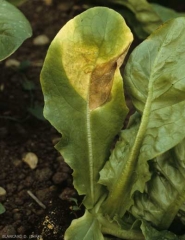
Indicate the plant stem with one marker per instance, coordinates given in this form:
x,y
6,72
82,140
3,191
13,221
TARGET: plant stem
x,y
119,198
114,230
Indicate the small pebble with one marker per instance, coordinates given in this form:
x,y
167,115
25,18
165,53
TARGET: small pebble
x,y
12,63
15,210
2,191
31,159
41,40
48,2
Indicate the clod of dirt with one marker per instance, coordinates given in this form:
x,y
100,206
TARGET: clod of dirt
x,y
68,193
44,194
31,159
65,6
43,174
17,162
60,177
8,230
11,188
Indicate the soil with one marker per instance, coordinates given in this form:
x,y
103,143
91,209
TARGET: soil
x,y
23,131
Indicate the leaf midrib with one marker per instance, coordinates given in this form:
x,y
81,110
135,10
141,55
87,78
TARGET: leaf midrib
x,y
123,181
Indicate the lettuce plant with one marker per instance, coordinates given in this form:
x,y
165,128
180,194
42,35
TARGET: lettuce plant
x,y
146,17
14,29
142,16
134,189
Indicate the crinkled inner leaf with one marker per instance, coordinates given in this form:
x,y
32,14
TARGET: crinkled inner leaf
x,y
165,193
151,233
83,92
14,29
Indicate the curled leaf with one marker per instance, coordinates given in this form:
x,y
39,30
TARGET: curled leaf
x,y
164,194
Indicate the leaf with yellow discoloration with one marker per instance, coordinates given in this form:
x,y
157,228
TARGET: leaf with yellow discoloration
x,y
83,93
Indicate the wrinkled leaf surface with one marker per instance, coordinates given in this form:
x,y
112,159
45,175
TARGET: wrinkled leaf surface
x,y
151,233
164,194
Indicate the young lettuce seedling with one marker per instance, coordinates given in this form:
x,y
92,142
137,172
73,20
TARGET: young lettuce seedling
x,y
135,191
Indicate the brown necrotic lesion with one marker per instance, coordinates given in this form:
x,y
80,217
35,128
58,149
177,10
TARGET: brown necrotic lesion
x,y
101,84
101,81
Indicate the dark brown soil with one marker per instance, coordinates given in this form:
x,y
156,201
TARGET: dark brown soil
x,y
21,133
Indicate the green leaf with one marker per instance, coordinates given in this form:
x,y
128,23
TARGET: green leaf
x,y
133,22
83,92
37,111
144,14
28,85
145,17
142,17
16,2
165,13
14,29
84,228
164,194
2,209
151,233
155,79
117,167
